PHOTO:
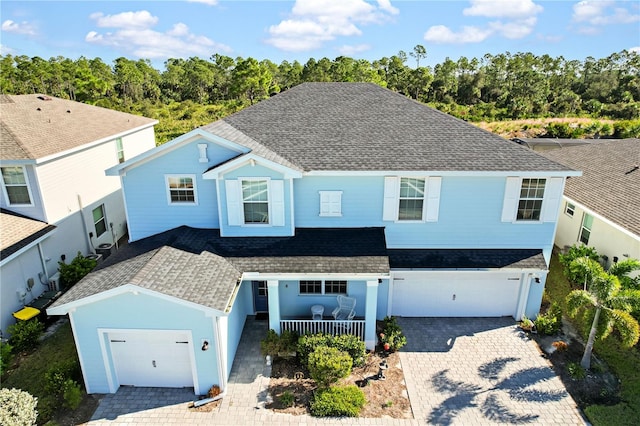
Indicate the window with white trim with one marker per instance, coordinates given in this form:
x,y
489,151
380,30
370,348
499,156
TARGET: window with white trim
x,y
120,150
569,209
99,221
255,201
16,186
585,228
330,203
411,199
531,197
323,287
181,189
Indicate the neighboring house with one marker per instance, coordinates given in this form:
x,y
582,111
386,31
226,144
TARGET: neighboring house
x,y
326,189
53,156
547,144
602,207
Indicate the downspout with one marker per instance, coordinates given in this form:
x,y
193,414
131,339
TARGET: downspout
x,y
221,370
43,263
84,225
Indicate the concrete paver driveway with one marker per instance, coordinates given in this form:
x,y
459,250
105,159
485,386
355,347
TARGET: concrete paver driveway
x,y
466,371
472,371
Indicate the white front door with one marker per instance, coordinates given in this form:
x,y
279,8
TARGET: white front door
x,y
455,294
152,358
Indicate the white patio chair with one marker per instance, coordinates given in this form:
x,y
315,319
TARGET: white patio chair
x,y
346,309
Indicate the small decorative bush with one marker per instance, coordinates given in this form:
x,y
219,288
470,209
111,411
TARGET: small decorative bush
x,y
71,394
526,324
576,251
25,334
337,401
274,344
346,343
560,346
57,376
214,391
287,399
328,365
576,371
73,272
550,322
5,356
391,338
17,408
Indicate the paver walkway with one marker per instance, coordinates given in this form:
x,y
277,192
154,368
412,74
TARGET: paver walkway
x,y
458,371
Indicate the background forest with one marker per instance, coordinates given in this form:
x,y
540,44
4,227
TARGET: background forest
x,y
188,93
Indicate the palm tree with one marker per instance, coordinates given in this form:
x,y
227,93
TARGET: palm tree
x,y
612,303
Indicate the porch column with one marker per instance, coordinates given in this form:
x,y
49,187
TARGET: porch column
x,y
273,291
370,310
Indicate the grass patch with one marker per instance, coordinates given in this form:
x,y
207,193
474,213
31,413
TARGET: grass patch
x,y
623,362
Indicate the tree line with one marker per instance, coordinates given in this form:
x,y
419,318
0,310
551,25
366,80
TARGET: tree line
x,y
494,87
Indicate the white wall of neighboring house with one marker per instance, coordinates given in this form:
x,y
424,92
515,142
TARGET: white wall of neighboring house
x,y
607,238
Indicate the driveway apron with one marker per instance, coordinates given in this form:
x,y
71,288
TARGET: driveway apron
x,y
466,371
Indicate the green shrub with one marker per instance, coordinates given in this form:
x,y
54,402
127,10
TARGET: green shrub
x,y
346,343
5,356
344,401
287,399
328,365
17,408
576,251
73,272
392,335
57,376
576,371
274,344
550,322
71,394
25,334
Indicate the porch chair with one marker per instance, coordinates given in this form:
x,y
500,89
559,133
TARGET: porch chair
x,y
346,309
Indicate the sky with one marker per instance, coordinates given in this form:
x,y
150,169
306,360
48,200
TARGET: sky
x,y
302,29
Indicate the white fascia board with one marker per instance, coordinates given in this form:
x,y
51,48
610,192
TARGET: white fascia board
x,y
247,276
19,162
602,218
89,145
178,142
32,244
242,160
505,270
127,288
456,173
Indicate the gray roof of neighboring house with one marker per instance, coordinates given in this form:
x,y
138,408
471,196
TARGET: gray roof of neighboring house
x,y
18,231
32,127
610,183
467,258
199,266
362,127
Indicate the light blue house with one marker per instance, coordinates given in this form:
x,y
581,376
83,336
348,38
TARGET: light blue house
x,y
326,189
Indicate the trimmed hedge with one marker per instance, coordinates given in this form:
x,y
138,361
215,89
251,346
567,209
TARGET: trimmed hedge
x,y
345,343
338,401
328,365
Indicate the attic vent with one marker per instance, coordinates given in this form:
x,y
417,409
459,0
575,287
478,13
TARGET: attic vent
x,y
68,111
38,109
44,97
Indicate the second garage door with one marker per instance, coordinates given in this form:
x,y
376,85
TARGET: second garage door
x,y
152,358
454,294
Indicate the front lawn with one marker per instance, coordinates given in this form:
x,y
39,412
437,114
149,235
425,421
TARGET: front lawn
x,y
623,362
28,373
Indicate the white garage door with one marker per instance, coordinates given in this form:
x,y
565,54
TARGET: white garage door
x,y
455,294
152,358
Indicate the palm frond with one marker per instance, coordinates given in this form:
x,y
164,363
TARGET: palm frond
x,y
579,299
627,326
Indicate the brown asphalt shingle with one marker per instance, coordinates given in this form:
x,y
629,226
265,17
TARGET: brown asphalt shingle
x,y
17,231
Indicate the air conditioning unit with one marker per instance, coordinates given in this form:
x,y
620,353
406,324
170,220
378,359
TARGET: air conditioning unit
x,y
54,282
96,257
105,250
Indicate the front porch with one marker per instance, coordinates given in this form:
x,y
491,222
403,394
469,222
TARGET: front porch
x,y
354,327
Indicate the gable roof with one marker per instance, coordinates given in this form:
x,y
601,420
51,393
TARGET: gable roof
x,y
18,231
199,266
364,127
37,126
610,183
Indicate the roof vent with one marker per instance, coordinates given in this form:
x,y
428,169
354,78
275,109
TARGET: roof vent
x,y
38,109
68,111
44,97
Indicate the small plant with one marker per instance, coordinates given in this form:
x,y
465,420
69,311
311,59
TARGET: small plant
x,y
388,404
71,394
25,334
560,346
576,371
328,365
337,401
550,322
17,408
73,272
274,344
391,338
59,378
526,324
287,399
5,356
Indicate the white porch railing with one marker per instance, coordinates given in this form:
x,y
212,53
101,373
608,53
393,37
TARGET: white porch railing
x,y
355,327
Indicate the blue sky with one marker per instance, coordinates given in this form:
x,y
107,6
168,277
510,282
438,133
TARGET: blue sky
x,y
303,29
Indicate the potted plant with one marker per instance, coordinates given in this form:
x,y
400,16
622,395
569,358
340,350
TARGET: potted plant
x,y
527,324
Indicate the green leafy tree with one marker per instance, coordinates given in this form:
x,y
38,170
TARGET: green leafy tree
x,y
610,302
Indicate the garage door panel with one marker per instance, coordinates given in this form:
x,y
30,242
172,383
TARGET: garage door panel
x,y
451,295
154,359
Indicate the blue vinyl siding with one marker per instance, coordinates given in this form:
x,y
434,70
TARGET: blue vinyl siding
x,y
128,311
149,212
242,307
293,304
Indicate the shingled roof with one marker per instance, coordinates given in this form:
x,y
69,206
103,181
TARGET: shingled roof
x,y
37,126
364,127
610,181
17,231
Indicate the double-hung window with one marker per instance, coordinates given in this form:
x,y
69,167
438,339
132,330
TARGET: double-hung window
x,y
16,186
255,201
323,287
585,229
569,209
120,150
181,189
531,197
99,221
411,199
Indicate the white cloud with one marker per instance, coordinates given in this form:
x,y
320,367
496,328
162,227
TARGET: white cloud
x,y
603,12
24,27
207,2
442,34
514,30
134,35
502,8
352,50
635,49
315,22
6,50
